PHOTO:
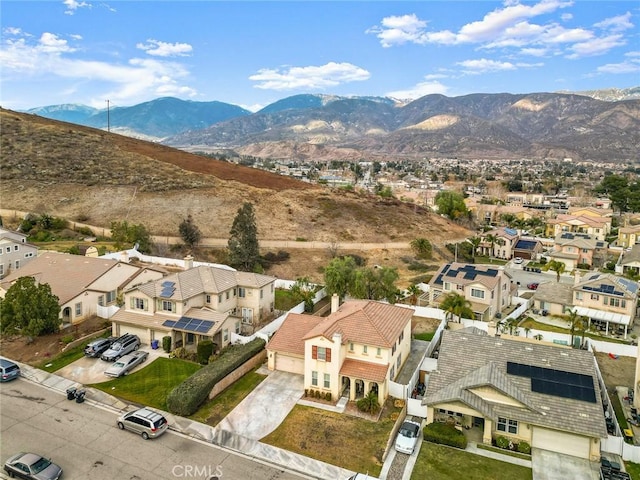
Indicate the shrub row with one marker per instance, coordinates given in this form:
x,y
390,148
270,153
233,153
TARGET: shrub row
x,y
445,434
186,398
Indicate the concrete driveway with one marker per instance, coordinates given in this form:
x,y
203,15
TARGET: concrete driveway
x,y
548,465
87,370
266,407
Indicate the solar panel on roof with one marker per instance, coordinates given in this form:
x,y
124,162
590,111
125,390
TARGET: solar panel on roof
x,y
559,383
167,292
169,323
470,276
168,283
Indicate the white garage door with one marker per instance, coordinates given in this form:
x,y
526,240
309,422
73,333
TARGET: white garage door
x,y
285,363
143,333
561,442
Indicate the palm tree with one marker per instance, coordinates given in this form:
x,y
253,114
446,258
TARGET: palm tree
x,y
422,247
414,292
492,239
576,322
475,243
455,304
556,266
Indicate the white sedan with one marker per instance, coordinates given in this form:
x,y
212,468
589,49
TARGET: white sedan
x,y
407,437
124,364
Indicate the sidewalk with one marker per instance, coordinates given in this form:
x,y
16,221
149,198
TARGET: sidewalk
x,y
247,447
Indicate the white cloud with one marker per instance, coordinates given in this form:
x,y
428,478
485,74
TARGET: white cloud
x,y
565,17
73,5
596,46
164,49
628,66
396,30
534,52
616,24
484,65
419,90
311,77
51,56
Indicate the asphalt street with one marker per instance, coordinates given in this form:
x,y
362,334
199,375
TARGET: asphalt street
x,y
84,440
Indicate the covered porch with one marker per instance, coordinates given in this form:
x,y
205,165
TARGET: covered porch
x,y
606,320
358,378
474,425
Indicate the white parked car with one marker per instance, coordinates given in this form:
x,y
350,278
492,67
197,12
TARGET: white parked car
x,y
125,364
517,260
407,438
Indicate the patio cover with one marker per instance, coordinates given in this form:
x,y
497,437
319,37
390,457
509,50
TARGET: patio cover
x,y
604,316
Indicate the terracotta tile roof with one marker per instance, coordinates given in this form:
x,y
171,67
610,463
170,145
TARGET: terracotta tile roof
x,y
365,321
290,336
364,370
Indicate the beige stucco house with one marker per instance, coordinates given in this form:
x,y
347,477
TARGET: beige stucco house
x,y
502,247
197,304
488,288
547,396
574,249
15,251
358,348
597,227
82,283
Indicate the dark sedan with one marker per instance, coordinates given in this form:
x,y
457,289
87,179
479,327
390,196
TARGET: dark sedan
x,y
32,466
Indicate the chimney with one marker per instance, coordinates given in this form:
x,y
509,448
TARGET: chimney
x,y
577,278
188,262
337,338
491,329
335,302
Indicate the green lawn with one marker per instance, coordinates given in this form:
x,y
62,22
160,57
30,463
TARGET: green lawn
x,y
531,323
438,462
428,336
285,300
62,359
151,385
219,407
633,469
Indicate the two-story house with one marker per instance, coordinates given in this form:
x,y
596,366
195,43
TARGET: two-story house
x,y
197,304
15,251
594,226
628,236
574,249
504,240
486,287
358,348
81,283
629,262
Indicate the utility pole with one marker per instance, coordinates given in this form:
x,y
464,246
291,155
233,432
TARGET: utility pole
x,y
108,119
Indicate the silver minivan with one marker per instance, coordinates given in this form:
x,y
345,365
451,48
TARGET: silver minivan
x,y
8,370
146,422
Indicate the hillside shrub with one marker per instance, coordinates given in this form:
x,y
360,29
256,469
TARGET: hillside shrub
x,y
187,397
205,349
445,434
166,343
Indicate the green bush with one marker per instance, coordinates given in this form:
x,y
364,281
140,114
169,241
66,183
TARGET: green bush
x,y
187,397
205,349
445,434
369,403
327,396
524,447
502,442
166,343
67,339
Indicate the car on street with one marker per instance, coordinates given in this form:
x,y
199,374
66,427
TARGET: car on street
x,y
32,466
97,347
125,364
146,422
407,437
127,343
532,286
8,370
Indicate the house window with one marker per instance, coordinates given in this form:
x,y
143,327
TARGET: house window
x,y
321,353
8,249
446,286
139,303
272,288
393,349
17,264
351,346
399,361
168,306
364,349
460,287
16,248
237,327
78,309
327,380
578,295
261,294
111,296
220,298
241,292
392,374
594,296
1,269
314,378
208,298
379,352
235,292
584,250
227,295
477,293
506,425
101,300
225,335
615,302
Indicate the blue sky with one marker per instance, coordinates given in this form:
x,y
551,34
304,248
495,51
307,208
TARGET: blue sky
x,y
254,53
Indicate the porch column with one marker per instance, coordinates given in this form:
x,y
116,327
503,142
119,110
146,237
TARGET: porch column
x,y
486,434
184,339
430,414
625,332
606,331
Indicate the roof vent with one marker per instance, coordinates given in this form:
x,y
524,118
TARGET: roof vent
x,y
498,344
584,415
545,408
564,354
529,349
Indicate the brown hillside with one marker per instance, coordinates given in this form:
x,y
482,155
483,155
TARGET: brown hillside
x,y
96,177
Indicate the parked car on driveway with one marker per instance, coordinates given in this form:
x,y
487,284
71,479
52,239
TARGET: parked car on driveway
x,y
32,466
517,260
407,437
127,343
125,364
98,347
146,422
532,286
8,370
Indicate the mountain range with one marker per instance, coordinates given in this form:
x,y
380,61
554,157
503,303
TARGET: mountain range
x,y
601,125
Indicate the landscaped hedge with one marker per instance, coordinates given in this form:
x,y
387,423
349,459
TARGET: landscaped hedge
x,y
186,398
205,349
445,434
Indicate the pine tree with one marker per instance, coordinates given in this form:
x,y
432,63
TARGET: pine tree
x,y
244,251
190,232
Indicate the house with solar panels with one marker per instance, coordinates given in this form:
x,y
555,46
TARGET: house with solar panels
x,y
202,303
597,227
488,288
489,387
575,249
527,248
502,247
